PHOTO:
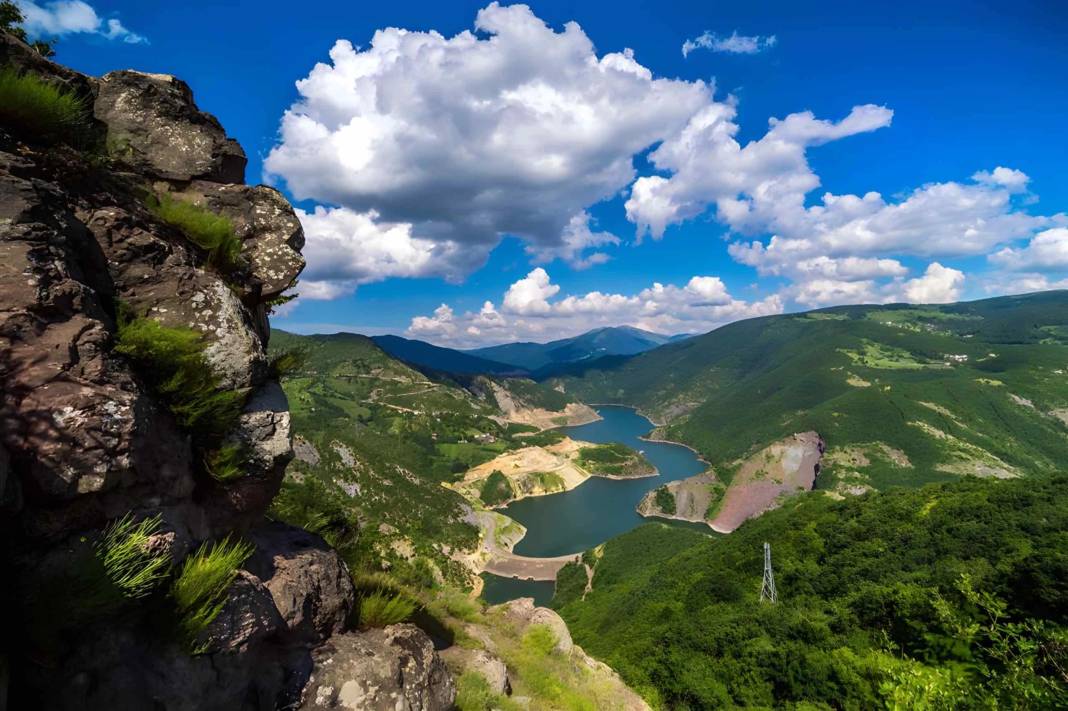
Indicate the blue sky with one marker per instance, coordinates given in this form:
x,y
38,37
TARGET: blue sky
x,y
473,189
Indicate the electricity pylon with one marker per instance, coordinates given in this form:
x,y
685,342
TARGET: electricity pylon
x,y
767,590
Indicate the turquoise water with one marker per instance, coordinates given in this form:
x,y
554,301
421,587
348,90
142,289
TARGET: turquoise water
x,y
599,509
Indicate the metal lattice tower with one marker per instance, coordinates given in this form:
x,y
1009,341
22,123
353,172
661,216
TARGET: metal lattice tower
x,y
767,590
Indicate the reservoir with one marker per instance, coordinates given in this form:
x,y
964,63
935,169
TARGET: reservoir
x,y
599,509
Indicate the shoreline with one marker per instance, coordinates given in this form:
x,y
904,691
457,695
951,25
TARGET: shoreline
x,y
655,424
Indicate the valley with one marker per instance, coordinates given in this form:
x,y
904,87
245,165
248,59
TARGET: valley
x,y
517,487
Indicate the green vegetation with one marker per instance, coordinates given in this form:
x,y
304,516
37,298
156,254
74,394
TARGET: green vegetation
x,y
212,233
287,363
665,500
227,463
379,609
11,19
128,560
96,581
199,591
473,693
372,432
950,595
496,489
36,109
614,459
172,360
949,390
547,481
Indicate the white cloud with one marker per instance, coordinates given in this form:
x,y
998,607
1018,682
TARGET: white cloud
x,y
576,239
938,285
345,249
65,17
734,44
515,131
1046,252
532,311
530,294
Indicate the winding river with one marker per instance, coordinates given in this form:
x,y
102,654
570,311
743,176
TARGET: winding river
x,y
599,509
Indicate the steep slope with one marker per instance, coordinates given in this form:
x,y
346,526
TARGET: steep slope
x,y
902,395
612,340
947,596
426,355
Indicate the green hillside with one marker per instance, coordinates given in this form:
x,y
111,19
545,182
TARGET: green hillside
x,y
902,394
947,596
375,439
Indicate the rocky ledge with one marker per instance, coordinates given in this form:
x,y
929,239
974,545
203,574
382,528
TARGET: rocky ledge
x,y
87,438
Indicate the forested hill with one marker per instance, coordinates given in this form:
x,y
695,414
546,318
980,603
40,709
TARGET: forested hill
x,y
370,432
947,596
902,394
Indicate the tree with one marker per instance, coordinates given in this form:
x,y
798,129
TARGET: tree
x,y
11,19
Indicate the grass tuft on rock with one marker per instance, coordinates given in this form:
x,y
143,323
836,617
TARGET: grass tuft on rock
x,y
39,110
211,232
128,559
381,609
199,591
227,463
172,359
287,363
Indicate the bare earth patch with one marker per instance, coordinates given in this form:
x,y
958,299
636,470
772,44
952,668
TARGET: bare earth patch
x,y
762,481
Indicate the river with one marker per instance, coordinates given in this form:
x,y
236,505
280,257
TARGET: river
x,y
599,509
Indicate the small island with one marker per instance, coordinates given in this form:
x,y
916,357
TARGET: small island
x,y
549,469
614,461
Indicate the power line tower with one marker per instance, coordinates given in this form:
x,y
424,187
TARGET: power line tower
x,y
767,590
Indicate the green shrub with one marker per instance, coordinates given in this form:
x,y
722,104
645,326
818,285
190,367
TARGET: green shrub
x,y
172,359
129,563
199,591
381,609
95,582
665,500
227,463
496,489
37,109
287,363
212,233
473,693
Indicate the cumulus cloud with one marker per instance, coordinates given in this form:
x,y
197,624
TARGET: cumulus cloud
x,y
517,131
1046,252
533,309
345,249
937,285
734,44
66,17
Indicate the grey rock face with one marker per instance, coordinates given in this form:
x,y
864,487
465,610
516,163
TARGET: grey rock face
x,y
389,669
492,669
309,584
155,128
523,612
270,233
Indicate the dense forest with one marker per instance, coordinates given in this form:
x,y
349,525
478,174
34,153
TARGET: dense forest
x,y
947,596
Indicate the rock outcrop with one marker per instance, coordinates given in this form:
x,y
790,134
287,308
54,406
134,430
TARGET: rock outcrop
x,y
85,439
389,669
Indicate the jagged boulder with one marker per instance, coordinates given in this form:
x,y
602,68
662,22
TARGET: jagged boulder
x,y
309,583
155,129
264,221
524,613
491,668
389,669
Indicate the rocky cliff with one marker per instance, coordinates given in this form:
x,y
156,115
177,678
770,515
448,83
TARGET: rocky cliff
x,y
93,431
